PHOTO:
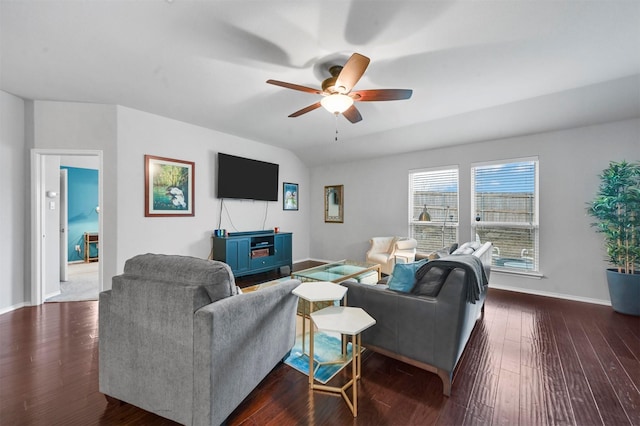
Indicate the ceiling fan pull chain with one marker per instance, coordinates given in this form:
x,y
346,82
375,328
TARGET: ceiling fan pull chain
x,y
336,117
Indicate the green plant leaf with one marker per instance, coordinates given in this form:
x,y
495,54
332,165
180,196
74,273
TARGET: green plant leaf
x,y
616,208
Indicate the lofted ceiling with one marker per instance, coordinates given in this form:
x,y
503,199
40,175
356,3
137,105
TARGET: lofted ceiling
x,y
478,69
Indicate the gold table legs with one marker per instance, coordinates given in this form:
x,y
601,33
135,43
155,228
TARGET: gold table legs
x,y
356,368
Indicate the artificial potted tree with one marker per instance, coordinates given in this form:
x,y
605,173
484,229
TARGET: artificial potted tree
x,y
617,211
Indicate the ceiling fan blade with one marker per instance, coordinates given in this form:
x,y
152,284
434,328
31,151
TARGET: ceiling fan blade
x,y
351,73
352,114
295,87
305,110
381,95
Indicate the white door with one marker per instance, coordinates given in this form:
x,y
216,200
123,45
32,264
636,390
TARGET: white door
x,y
64,219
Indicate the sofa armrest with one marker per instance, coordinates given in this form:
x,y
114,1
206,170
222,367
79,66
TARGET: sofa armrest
x,y
407,245
485,253
237,342
405,251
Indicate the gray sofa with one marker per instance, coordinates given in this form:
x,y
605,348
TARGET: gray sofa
x,y
177,340
429,332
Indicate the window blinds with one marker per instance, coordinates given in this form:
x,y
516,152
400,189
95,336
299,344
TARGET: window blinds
x,y
436,192
505,201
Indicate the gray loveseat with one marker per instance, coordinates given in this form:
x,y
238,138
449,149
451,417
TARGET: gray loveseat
x,y
176,339
429,332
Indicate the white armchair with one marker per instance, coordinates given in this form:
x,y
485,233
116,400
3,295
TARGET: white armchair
x,y
386,251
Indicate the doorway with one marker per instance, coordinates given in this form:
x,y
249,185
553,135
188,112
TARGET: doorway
x,y
47,230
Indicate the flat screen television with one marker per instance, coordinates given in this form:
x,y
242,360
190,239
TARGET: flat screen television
x,y
247,179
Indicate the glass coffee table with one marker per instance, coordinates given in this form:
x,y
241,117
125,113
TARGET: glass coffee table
x,y
336,272
363,272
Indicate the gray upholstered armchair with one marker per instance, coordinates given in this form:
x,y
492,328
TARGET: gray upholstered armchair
x,y
176,339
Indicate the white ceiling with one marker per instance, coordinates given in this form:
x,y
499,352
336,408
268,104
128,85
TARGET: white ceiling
x,y
478,69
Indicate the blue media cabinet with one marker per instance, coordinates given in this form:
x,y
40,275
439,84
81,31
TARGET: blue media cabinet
x,y
253,252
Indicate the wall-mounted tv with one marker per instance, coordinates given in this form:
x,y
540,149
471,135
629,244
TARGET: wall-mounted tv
x,y
245,178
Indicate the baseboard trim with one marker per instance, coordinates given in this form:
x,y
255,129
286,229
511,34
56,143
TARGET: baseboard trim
x,y
554,295
526,291
13,308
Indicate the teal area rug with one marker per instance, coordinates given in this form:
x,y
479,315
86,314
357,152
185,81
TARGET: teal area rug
x,y
326,348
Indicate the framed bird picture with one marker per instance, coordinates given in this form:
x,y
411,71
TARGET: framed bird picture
x,y
289,196
168,187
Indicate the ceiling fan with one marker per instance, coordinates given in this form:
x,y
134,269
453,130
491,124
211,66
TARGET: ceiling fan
x,y
338,97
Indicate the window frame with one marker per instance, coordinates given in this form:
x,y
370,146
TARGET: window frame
x,y
534,224
453,224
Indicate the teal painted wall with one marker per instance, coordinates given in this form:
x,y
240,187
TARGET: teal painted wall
x,y
82,202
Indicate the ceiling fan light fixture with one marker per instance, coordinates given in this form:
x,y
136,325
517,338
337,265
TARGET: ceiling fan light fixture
x,y
338,97
336,103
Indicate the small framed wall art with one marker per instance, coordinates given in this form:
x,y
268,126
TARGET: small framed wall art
x,y
334,204
168,187
289,196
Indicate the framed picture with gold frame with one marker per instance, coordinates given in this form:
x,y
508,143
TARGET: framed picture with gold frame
x,y
334,204
168,187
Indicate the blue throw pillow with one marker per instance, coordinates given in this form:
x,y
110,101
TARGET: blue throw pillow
x,y
403,277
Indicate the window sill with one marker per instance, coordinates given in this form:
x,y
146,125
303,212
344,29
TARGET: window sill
x,y
534,275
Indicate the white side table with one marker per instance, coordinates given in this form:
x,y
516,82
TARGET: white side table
x,y
312,292
350,321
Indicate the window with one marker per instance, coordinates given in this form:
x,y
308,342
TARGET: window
x,y
433,208
505,203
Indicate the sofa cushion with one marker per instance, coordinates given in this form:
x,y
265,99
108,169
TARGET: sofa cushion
x,y
403,277
444,251
215,277
431,283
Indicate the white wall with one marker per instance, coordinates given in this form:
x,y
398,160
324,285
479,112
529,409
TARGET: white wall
x,y
14,220
124,135
572,257
141,133
81,126
80,161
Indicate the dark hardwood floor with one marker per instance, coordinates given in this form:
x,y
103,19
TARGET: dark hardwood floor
x,y
530,361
